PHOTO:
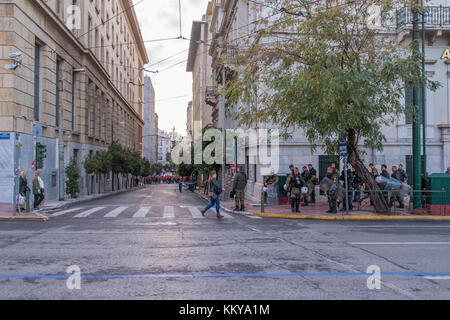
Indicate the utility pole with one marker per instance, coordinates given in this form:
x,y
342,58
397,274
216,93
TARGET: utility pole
x,y
424,100
223,133
60,157
416,123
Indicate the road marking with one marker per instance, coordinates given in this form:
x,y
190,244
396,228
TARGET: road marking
x,y
142,212
254,217
400,243
64,212
195,213
226,215
438,278
88,212
168,212
115,213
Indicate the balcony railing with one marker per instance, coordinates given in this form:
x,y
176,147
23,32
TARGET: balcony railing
x,y
437,16
211,96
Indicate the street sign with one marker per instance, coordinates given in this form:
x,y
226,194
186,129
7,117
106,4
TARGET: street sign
x,y
37,130
5,136
233,168
343,149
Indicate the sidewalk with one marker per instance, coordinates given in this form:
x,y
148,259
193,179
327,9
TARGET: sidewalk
x,y
318,210
7,214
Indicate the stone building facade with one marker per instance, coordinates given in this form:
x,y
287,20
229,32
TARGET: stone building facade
x,y
82,57
238,19
151,124
199,64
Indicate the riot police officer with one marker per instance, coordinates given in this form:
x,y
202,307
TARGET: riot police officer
x,y
295,182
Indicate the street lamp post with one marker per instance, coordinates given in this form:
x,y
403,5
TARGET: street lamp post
x,y
416,123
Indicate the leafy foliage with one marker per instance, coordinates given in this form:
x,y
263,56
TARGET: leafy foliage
x,y
331,74
73,175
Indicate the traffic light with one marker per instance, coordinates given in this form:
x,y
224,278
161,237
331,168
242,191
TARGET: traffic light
x,y
41,154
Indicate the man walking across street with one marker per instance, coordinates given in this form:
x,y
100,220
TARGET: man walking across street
x,y
239,184
216,190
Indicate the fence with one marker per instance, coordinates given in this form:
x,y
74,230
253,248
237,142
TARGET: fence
x,y
434,16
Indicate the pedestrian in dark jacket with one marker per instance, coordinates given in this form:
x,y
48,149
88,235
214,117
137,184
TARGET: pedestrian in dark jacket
x,y
384,172
239,184
23,184
37,191
216,190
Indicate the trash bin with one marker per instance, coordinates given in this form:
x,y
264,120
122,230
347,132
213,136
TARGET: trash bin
x,y
191,187
439,182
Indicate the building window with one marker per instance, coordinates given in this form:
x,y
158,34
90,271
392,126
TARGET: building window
x,y
37,81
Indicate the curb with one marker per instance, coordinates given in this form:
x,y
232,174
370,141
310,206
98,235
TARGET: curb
x,y
354,218
18,218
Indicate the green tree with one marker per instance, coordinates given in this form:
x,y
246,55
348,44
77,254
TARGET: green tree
x,y
330,73
73,175
146,168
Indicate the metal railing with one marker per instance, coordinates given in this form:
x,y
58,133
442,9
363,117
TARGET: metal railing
x,y
434,16
428,199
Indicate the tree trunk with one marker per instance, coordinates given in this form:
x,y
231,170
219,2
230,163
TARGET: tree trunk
x,y
380,203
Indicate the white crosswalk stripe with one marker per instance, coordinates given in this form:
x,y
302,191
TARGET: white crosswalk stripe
x,y
254,217
115,213
142,212
226,215
195,213
87,213
64,212
168,212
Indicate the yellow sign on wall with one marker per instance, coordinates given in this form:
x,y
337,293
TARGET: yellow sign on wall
x,y
446,54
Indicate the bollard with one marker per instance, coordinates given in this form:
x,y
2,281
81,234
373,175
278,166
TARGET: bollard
x,y
27,201
262,202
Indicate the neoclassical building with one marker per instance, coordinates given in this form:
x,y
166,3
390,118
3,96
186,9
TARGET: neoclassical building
x,y
238,19
82,59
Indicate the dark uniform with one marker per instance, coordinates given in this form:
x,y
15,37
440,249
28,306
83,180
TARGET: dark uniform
x,y
357,184
402,176
295,182
334,176
385,174
239,184
398,175
306,177
314,180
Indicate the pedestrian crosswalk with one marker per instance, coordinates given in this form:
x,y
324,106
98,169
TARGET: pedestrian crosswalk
x,y
168,212
165,212
142,212
87,213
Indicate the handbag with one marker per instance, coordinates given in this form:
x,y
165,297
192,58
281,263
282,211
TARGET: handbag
x,y
20,199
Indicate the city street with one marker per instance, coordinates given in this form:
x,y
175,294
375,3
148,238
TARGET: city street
x,y
154,244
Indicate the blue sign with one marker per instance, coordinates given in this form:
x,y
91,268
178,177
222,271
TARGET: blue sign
x,y
342,149
5,136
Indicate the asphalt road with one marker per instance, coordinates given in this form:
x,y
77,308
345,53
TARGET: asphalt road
x,y
152,244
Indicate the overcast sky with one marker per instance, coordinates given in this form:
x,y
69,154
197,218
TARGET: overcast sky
x,y
159,19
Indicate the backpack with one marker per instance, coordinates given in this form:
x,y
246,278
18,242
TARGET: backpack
x,y
217,189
